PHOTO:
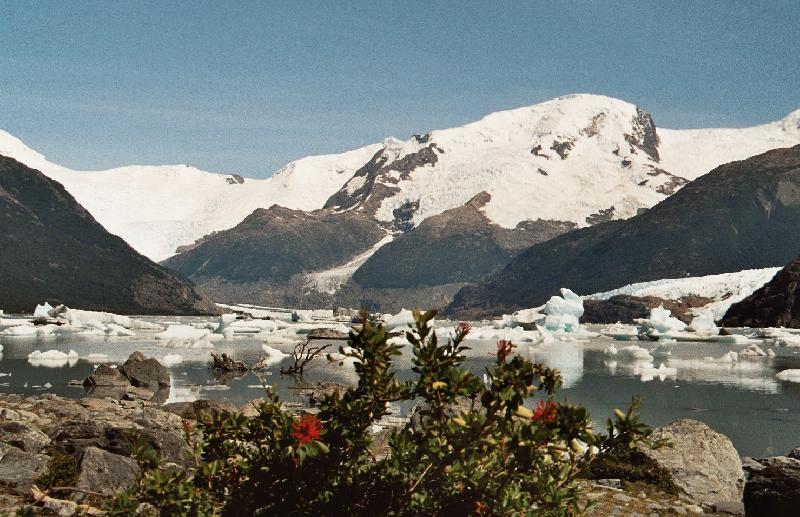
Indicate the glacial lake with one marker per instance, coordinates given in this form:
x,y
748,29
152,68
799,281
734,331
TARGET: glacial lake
x,y
743,400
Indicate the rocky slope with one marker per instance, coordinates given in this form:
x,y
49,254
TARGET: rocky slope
x,y
458,245
742,215
51,248
776,304
273,245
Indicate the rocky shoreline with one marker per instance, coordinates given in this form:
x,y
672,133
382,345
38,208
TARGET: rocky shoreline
x,y
62,456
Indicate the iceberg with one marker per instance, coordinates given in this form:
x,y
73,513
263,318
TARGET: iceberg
x,y
563,312
183,332
660,322
42,311
788,375
404,318
704,324
631,353
52,358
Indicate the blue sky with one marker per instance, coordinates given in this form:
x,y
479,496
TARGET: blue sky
x,y
249,86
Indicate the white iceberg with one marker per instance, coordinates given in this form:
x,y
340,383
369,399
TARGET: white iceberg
x,y
563,312
704,324
52,358
660,322
631,353
404,318
183,332
42,311
788,375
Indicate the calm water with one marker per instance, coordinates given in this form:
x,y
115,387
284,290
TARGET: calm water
x,y
744,401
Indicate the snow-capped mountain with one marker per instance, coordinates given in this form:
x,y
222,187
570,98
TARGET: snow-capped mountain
x,y
156,209
578,159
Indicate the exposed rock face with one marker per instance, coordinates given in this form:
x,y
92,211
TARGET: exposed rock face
x,y
19,468
742,215
703,463
51,248
276,243
625,308
105,472
362,189
23,436
777,304
143,372
459,245
773,487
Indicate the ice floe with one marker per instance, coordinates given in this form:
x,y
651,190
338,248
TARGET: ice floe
x,y
789,375
53,358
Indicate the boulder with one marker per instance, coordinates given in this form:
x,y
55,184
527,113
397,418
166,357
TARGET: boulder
x,y
105,472
702,462
106,376
19,468
23,436
773,486
145,373
199,409
326,333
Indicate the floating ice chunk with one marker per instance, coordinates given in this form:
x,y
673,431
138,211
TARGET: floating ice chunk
x,y
182,332
704,324
171,360
38,331
789,375
199,343
659,322
303,315
79,318
273,352
42,311
52,358
47,385
563,312
404,318
629,353
225,325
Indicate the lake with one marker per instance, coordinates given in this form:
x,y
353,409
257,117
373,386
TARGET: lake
x,y
742,400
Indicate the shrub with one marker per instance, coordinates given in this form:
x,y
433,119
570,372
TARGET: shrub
x,y
499,446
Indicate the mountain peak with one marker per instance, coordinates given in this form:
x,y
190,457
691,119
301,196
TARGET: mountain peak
x,y
791,122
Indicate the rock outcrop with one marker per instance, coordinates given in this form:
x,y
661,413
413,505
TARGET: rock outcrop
x,y
145,372
776,304
52,249
773,486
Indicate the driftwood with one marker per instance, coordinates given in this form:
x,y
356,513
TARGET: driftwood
x,y
226,363
302,354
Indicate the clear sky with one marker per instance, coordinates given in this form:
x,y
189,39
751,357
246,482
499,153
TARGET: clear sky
x,y
248,86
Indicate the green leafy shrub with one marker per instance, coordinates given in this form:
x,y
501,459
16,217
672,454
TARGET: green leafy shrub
x,y
494,447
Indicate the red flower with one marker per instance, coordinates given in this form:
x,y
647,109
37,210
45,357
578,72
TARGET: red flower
x,y
462,329
546,412
308,428
504,348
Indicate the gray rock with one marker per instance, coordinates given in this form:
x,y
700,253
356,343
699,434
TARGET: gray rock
x,y
19,468
106,473
729,507
773,487
199,409
144,372
326,333
702,462
23,436
107,376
